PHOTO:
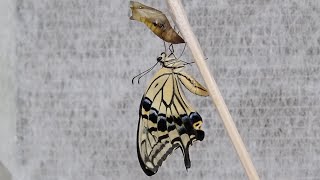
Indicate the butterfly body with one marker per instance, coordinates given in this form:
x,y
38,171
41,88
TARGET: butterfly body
x,y
156,21
167,120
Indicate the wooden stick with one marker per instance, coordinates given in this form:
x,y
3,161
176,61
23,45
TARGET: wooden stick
x,y
180,17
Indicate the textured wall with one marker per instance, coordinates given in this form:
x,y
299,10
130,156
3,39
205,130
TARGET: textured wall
x,y
77,110
7,89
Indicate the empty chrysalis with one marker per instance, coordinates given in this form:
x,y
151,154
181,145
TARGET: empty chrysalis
x,y
156,21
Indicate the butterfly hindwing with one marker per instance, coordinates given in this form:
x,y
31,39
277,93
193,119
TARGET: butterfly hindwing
x,y
167,121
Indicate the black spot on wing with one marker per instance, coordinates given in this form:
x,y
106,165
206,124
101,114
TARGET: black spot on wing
x,y
146,103
182,130
171,128
170,119
195,117
187,123
162,124
153,115
199,135
177,120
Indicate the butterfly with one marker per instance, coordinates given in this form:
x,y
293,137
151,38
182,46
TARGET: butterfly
x,y
166,119
156,21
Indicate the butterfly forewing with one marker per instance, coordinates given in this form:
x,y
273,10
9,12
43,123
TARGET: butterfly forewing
x,y
192,85
167,121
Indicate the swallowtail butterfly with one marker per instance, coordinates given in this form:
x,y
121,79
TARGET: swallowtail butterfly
x,y
167,121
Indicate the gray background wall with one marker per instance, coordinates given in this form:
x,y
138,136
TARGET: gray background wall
x,y
69,110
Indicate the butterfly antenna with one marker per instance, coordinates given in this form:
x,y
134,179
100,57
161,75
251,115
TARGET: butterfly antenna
x,y
184,48
171,49
146,72
165,47
140,75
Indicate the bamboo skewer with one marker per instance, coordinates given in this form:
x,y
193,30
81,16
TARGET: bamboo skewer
x,y
180,18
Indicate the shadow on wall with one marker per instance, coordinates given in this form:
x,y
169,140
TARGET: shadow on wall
x,y
4,172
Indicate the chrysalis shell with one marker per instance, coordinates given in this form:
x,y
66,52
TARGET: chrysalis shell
x,y
156,21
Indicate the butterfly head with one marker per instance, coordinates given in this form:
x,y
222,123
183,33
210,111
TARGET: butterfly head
x,y
162,57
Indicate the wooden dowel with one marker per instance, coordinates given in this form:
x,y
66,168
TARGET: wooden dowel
x,y
180,18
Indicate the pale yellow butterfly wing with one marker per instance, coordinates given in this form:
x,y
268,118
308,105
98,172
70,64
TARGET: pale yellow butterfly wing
x,y
167,121
192,85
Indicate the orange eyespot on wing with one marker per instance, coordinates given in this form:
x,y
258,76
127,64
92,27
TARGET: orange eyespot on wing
x,y
156,21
